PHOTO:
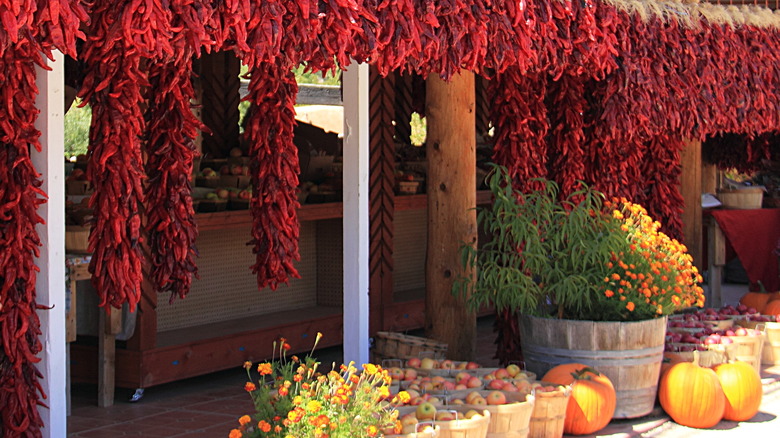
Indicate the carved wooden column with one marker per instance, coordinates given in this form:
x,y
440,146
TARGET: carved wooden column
x,y
218,76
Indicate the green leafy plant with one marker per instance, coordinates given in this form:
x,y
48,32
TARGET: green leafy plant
x,y
578,257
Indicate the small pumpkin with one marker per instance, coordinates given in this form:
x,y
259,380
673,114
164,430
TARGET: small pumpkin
x,y
773,308
593,399
742,387
692,395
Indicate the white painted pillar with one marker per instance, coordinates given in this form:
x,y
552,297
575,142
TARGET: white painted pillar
x,y
355,222
50,163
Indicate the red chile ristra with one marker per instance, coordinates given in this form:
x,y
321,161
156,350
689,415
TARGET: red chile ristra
x,y
274,162
28,30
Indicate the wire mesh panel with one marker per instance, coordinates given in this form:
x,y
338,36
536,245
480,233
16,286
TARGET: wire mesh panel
x,y
330,266
409,248
227,288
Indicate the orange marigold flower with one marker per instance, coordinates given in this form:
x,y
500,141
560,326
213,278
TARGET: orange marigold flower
x,y
372,431
283,391
286,346
615,277
235,433
297,377
609,293
249,387
264,369
277,428
264,426
245,419
247,365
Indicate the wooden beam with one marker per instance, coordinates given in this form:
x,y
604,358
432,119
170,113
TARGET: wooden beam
x,y
218,79
355,222
691,188
451,153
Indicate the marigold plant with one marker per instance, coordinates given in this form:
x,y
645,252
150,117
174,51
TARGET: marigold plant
x,y
574,257
652,275
294,400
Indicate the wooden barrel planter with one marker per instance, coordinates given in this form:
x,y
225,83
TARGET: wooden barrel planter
x,y
629,353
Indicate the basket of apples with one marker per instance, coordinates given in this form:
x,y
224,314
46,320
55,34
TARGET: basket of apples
x,y
452,421
430,366
510,412
549,412
512,374
770,353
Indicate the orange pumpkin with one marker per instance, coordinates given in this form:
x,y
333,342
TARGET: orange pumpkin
x,y
742,387
773,308
692,395
593,399
757,300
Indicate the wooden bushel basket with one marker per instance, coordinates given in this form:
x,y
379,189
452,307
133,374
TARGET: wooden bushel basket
x,y
511,420
770,352
391,345
549,414
433,432
742,199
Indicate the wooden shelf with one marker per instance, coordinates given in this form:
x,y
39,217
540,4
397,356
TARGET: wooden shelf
x,y
313,212
200,333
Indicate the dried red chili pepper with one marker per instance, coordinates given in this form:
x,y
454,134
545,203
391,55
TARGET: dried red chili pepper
x,y
274,167
566,107
28,30
520,118
661,196
119,36
170,148
20,196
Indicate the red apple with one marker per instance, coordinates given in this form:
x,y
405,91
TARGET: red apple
x,y
495,398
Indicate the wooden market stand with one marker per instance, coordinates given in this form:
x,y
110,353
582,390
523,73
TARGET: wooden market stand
x,y
226,320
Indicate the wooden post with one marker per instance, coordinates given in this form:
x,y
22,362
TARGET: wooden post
x,y
355,219
709,178
218,73
691,188
451,153
50,283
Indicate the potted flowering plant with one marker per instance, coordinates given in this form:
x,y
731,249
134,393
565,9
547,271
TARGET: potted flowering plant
x,y
583,279
294,400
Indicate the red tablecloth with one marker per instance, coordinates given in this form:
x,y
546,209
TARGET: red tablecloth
x,y
754,236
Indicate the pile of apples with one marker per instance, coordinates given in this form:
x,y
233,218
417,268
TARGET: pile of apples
x,y
427,412
700,340
428,363
461,381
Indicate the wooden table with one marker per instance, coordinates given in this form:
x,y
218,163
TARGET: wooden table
x,y
108,327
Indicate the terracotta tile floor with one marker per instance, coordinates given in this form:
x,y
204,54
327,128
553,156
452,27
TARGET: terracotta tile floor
x,y
206,406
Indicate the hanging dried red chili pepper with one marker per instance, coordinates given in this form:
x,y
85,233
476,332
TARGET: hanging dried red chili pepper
x,y
170,149
520,118
120,35
661,172
20,196
274,164
566,106
28,30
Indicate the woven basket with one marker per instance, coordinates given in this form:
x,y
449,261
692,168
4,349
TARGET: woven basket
x,y
462,427
742,199
476,427
549,414
748,349
424,433
715,354
391,345
770,352
509,420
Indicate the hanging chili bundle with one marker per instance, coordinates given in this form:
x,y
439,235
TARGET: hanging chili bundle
x,y
20,196
274,168
170,150
520,118
460,39
348,30
566,105
661,197
399,36
28,30
119,36
510,38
